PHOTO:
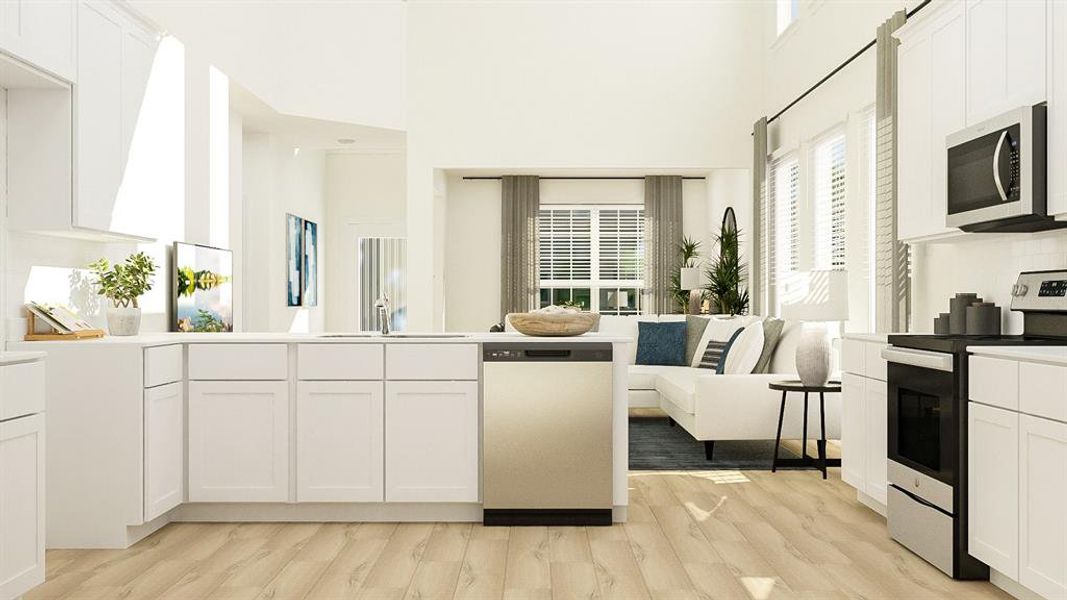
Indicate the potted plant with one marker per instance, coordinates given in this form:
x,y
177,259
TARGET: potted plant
x,y
726,275
123,284
689,250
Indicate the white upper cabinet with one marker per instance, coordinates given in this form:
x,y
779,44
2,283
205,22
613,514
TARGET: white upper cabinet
x,y
1006,56
41,33
1057,110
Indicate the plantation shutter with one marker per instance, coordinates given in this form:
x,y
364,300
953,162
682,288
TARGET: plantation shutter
x,y
565,244
829,162
783,225
621,237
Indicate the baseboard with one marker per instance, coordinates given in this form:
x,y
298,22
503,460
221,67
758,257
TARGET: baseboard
x,y
328,512
871,503
1012,587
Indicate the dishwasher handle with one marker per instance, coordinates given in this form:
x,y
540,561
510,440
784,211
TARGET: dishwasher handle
x,y
547,351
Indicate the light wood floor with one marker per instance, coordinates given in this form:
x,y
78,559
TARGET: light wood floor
x,y
716,534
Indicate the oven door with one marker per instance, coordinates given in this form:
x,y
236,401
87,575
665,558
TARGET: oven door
x,y
923,431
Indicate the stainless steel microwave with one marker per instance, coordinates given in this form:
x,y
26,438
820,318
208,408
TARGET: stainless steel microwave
x,y
996,174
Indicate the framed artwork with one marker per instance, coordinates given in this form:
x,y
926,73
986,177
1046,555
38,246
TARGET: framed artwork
x,y
203,289
294,253
311,264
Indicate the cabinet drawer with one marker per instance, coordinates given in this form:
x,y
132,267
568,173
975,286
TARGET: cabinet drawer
x,y
431,361
162,365
248,362
853,357
874,365
21,389
994,381
1043,390
340,361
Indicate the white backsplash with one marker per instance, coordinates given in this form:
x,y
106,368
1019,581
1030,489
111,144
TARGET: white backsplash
x,y
986,264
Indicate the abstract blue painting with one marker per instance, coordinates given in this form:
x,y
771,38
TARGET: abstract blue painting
x,y
294,244
311,264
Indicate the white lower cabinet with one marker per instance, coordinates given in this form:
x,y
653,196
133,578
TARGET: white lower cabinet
x,y
877,426
993,487
864,419
853,419
238,441
164,449
431,441
1043,506
340,441
22,504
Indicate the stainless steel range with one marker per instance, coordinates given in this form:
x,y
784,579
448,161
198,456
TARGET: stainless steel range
x,y
927,500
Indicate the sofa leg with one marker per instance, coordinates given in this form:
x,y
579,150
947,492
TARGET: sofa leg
x,y
671,422
709,449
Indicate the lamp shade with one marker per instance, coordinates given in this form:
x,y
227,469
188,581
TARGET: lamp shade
x,y
815,296
690,278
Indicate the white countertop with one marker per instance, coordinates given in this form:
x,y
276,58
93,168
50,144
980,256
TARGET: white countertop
x,y
1053,355
881,338
8,358
162,339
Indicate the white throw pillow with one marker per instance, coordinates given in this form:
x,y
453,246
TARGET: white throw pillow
x,y
718,330
744,353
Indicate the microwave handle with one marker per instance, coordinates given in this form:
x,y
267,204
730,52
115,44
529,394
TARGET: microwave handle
x,y
996,166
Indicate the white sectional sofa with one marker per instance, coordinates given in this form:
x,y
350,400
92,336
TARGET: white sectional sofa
x,y
714,407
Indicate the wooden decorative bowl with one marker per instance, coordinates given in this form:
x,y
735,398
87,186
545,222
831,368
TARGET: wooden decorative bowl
x,y
554,324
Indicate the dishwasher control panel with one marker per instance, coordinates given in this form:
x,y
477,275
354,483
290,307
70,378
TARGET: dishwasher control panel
x,y
546,352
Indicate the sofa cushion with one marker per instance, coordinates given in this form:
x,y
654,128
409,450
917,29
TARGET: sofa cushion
x,y
784,360
661,343
678,386
772,333
743,351
718,330
642,377
625,326
694,332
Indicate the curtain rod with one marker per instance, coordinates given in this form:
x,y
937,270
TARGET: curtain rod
x,y
839,67
498,178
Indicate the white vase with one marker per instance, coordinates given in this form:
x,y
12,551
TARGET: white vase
x,y
123,320
813,355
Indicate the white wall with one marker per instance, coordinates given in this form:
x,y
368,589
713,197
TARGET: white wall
x,y
279,179
518,86
365,197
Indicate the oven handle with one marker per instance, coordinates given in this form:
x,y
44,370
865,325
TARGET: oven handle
x,y
918,358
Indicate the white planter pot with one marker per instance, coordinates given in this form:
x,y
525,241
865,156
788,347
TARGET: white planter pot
x,y
813,355
123,321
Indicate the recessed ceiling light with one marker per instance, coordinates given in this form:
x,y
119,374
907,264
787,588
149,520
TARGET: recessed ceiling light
x,y
346,141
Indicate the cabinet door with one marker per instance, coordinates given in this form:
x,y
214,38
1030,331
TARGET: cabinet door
x,y
238,441
1006,56
339,441
946,100
993,487
164,449
1042,518
913,131
877,418
1056,71
40,32
98,110
431,441
853,431
22,508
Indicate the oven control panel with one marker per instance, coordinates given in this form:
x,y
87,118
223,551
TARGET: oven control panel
x,y
1040,291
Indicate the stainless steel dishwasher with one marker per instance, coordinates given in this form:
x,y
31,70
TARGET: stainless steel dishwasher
x,y
547,433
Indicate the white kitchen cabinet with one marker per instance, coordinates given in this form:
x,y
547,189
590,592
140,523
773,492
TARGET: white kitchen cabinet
x,y
41,33
1056,71
164,449
238,441
876,463
853,430
339,441
22,505
431,441
1006,54
1042,518
993,487
864,416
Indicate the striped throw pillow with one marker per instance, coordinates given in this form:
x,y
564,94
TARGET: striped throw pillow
x,y
712,355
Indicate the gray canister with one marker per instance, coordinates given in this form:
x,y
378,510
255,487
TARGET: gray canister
x,y
957,308
941,324
983,318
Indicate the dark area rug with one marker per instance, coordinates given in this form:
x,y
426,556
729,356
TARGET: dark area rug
x,y
656,446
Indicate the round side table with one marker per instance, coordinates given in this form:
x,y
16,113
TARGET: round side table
x,y
805,461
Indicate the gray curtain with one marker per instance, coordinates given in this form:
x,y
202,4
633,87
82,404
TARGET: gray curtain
x,y
521,199
663,234
893,271
760,234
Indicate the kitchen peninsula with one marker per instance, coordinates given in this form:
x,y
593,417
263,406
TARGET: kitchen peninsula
x,y
157,428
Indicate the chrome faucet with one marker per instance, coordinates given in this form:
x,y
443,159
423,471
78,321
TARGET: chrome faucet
x,y
382,304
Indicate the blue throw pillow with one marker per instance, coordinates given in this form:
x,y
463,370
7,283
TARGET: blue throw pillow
x,y
721,367
661,343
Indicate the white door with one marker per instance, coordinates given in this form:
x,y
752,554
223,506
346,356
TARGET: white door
x,y
1043,506
853,431
164,449
1006,54
238,441
22,508
340,441
993,487
877,419
431,441
98,110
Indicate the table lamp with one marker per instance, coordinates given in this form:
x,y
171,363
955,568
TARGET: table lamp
x,y
689,280
815,297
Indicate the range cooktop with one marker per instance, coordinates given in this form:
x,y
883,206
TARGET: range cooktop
x,y
958,343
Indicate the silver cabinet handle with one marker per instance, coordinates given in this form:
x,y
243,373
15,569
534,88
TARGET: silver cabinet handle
x,y
918,358
996,166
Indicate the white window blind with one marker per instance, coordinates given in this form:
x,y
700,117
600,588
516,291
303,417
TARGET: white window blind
x,y
565,242
785,195
621,244
829,165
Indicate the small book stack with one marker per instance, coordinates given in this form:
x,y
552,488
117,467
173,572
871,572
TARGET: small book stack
x,y
52,323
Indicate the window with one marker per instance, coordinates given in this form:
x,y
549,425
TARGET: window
x,y
786,12
829,186
381,272
781,225
593,256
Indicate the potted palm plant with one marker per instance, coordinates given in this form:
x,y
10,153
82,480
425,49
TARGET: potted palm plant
x,y
689,250
122,284
726,275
